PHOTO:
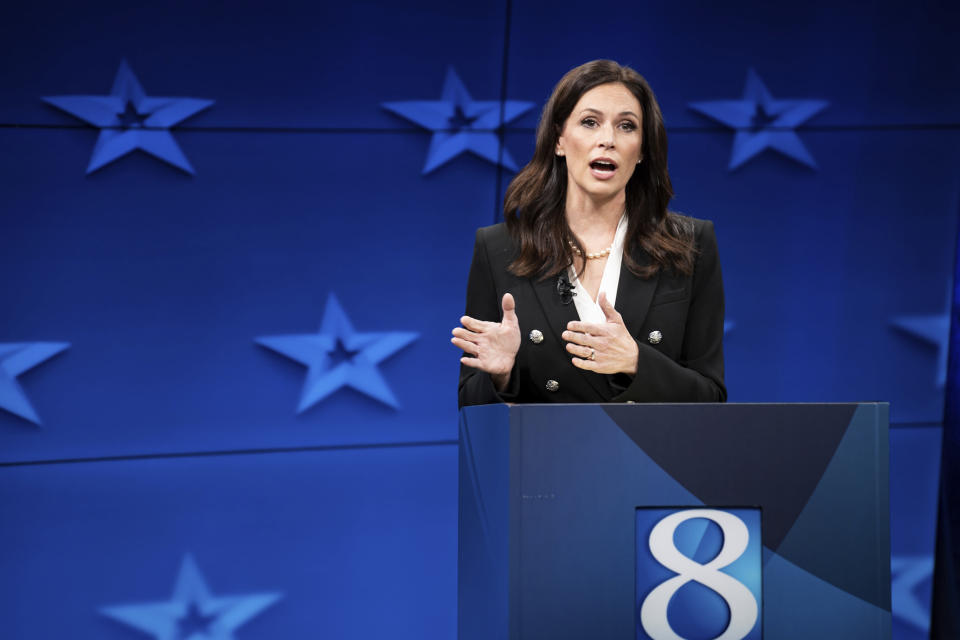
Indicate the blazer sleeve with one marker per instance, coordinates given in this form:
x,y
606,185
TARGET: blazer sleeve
x,y
483,303
698,374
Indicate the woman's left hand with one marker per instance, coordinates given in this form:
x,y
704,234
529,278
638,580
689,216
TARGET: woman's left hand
x,y
605,347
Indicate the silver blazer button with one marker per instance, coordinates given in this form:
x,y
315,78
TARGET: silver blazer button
x,y
536,337
655,337
553,385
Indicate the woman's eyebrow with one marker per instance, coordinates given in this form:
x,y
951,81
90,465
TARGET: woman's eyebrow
x,y
598,112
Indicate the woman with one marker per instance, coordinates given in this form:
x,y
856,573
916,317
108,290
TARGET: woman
x,y
592,291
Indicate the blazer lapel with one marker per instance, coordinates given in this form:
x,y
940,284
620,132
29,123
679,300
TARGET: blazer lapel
x,y
559,315
634,296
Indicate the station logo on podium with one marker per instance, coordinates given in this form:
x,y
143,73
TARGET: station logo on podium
x,y
699,574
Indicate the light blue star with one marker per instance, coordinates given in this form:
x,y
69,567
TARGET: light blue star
x,y
15,358
193,613
459,123
338,357
761,122
909,572
128,119
933,329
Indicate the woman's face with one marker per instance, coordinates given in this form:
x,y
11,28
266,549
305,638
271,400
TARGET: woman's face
x,y
601,141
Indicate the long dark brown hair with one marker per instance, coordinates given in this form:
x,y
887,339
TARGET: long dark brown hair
x,y
535,200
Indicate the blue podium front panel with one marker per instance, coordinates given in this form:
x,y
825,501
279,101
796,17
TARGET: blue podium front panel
x,y
560,539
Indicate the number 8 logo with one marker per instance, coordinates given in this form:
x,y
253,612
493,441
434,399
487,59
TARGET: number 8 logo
x,y
742,604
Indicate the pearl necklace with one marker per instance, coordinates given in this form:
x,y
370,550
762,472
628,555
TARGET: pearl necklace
x,y
591,256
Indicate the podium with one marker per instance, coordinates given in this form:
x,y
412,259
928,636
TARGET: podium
x,y
551,497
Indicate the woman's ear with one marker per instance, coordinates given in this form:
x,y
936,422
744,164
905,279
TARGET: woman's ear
x,y
558,149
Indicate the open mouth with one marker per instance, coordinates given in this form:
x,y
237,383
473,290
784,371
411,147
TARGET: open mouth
x,y
603,168
603,165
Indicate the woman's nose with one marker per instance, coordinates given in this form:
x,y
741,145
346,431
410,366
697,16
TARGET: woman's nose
x,y
606,137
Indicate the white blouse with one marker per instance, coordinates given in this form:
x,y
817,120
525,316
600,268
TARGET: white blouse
x,y
587,307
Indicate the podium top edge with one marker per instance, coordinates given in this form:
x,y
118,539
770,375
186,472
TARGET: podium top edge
x,y
510,408
696,404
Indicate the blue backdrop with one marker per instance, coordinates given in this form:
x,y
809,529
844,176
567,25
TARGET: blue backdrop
x,y
234,239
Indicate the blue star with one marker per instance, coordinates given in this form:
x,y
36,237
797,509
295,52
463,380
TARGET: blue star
x,y
15,358
909,572
129,119
338,357
459,123
193,613
933,329
762,122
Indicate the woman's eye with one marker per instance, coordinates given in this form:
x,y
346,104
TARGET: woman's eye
x,y
628,126
588,122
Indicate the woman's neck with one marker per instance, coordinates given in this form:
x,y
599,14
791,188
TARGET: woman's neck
x,y
591,218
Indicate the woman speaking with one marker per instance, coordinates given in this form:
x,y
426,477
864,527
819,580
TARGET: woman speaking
x,y
592,291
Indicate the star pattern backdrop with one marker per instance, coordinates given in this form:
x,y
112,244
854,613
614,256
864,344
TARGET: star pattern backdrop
x,y
129,119
233,248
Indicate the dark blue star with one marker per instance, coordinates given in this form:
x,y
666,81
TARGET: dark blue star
x,y
194,621
761,122
15,358
459,123
192,613
337,356
933,329
129,119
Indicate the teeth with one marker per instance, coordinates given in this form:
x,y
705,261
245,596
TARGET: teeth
x,y
602,166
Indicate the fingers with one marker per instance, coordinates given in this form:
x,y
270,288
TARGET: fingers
x,y
460,332
465,345
603,302
587,365
584,339
589,328
473,324
581,351
579,327
470,362
509,307
612,314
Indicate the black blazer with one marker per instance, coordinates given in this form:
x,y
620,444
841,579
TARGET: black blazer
x,y
686,365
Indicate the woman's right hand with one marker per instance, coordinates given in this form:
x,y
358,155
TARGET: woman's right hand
x,y
491,346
